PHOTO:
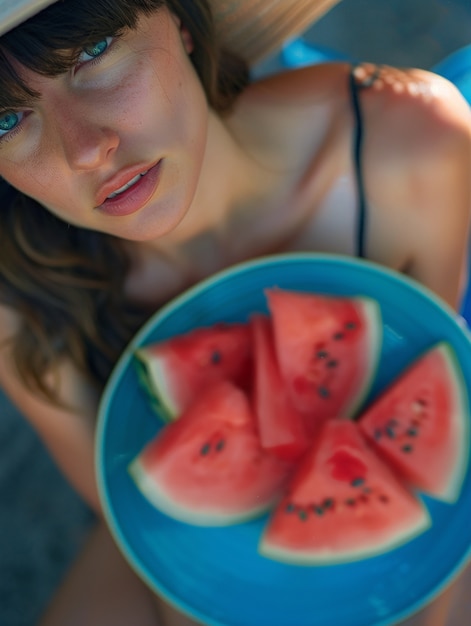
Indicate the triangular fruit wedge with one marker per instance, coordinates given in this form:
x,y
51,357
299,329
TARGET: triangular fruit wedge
x,y
343,504
280,426
207,468
328,349
176,370
420,424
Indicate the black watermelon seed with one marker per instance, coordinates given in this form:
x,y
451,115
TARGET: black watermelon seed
x,y
333,363
302,514
412,432
390,432
216,357
318,510
206,449
220,445
407,448
350,502
350,325
328,503
357,482
322,354
290,508
338,336
323,392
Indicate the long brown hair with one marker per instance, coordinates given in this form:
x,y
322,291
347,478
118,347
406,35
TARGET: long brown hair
x,y
66,283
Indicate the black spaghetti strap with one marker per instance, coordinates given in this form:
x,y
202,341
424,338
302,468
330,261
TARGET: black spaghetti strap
x,y
357,160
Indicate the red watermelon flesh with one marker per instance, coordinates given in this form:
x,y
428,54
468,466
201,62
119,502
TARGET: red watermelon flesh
x,y
420,424
328,348
178,369
343,504
280,426
207,467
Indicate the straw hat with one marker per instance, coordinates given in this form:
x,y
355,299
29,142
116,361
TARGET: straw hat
x,y
253,28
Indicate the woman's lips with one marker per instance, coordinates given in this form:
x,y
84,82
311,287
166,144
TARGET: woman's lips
x,y
135,197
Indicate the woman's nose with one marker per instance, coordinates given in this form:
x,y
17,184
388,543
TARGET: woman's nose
x,y
86,143
91,148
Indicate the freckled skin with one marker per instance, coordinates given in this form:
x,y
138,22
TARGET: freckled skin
x,y
140,104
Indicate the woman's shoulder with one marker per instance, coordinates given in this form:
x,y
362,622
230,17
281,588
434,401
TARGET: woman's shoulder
x,y
417,170
399,102
411,112
290,115
417,134
407,114
301,87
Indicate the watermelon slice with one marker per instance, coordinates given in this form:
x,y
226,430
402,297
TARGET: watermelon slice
x,y
207,468
175,371
420,424
328,349
343,504
280,427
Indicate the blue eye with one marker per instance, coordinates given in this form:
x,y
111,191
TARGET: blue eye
x,y
96,50
9,120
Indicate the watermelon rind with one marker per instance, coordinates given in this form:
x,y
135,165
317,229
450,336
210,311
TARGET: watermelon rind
x,y
327,557
197,517
444,485
452,490
207,467
152,374
146,383
372,312
306,325
343,504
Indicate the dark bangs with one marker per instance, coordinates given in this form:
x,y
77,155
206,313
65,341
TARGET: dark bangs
x,y
50,42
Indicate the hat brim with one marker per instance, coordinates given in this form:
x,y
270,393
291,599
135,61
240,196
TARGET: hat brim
x,y
252,28
256,28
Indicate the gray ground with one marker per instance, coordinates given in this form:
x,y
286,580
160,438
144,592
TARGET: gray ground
x,y
42,522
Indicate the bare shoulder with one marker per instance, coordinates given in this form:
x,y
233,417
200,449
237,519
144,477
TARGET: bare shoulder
x,y
403,106
316,82
412,108
417,165
290,114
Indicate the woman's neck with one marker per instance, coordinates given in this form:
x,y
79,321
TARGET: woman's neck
x,y
233,183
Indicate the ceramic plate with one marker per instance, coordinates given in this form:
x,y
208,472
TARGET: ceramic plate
x,y
215,574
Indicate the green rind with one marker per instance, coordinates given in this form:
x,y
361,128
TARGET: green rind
x,y
305,558
374,325
452,492
162,501
152,383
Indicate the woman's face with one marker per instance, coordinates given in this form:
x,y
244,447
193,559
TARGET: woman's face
x,y
115,144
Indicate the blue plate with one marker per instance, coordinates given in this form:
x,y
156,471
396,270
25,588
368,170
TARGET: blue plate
x,y
216,575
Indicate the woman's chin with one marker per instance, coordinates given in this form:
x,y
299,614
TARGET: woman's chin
x,y
151,224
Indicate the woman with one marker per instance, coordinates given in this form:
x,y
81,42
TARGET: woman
x,y
137,159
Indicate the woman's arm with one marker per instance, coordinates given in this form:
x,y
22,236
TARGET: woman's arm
x,y
67,434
